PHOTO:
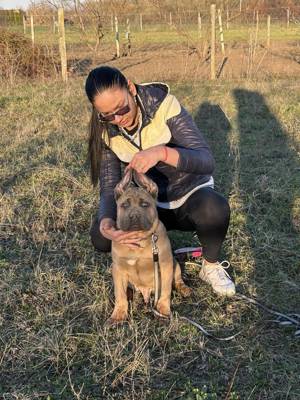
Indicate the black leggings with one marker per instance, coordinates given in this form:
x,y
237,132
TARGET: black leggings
x,y
206,212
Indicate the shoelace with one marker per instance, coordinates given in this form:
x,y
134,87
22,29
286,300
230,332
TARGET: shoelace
x,y
220,270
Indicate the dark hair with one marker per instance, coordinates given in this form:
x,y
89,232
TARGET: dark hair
x,y
99,80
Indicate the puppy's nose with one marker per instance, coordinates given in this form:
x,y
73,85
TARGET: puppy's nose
x,y
134,216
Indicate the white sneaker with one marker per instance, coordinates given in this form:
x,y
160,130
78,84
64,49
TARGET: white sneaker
x,y
219,279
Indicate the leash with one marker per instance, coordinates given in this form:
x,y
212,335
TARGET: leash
x,y
291,319
155,256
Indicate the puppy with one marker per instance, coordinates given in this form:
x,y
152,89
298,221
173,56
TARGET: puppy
x,y
136,211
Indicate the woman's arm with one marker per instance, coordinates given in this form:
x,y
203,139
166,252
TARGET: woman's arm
x,y
110,175
194,153
187,151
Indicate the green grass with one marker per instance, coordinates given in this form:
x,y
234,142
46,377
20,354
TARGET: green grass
x,y
164,34
56,293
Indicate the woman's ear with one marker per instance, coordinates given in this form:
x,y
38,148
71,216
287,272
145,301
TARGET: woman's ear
x,y
131,87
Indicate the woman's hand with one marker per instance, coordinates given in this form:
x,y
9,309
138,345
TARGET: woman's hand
x,y
109,231
146,159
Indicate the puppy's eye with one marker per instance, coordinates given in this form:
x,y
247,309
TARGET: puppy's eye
x,y
125,205
144,204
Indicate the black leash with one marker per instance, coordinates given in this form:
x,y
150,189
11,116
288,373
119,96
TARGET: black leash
x,y
155,256
291,319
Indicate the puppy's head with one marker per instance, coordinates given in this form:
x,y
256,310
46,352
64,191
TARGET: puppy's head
x,y
136,205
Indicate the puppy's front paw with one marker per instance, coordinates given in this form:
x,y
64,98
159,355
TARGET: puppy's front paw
x,y
182,289
163,308
118,316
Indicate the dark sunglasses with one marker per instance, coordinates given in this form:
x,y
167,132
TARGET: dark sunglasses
x,y
110,117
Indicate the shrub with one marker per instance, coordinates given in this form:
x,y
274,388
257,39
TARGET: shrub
x,y
19,58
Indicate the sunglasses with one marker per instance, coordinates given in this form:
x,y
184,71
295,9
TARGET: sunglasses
x,y
110,117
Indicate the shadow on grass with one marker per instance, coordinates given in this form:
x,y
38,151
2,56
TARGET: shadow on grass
x,y
269,186
263,172
215,126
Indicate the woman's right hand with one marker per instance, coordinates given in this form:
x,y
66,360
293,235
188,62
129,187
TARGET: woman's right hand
x,y
109,231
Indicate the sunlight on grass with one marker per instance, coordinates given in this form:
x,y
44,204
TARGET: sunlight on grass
x,y
56,293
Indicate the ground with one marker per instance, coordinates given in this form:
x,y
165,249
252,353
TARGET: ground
x,y
56,292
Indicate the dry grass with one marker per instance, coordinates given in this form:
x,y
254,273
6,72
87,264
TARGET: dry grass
x,y
19,58
56,292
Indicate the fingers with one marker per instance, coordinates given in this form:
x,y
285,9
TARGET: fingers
x,y
133,245
139,167
141,162
124,237
134,236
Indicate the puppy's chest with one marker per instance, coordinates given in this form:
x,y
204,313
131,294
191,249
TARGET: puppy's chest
x,y
139,271
136,264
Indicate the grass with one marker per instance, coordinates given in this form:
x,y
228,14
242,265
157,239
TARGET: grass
x,y
56,293
163,34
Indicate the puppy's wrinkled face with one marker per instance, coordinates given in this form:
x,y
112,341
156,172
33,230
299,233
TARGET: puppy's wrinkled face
x,y
136,210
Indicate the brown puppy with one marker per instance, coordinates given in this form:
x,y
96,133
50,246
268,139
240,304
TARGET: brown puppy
x,y
136,211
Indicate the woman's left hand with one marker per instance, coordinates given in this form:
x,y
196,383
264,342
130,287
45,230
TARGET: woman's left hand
x,y
146,159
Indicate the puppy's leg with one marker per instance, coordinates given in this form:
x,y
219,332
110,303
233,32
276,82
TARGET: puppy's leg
x,y
180,286
166,275
120,311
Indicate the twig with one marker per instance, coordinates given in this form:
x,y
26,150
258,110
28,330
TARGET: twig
x,y
77,395
232,381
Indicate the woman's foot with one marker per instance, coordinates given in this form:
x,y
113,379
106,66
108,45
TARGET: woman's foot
x,y
216,275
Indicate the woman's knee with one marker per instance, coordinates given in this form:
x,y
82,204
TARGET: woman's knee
x,y
99,242
210,207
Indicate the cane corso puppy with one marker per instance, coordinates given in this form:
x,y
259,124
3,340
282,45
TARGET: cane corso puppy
x,y
134,267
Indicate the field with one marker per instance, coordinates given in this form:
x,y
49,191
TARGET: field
x,y
56,292
159,47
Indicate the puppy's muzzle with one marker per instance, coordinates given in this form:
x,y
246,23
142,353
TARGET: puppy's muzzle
x,y
135,221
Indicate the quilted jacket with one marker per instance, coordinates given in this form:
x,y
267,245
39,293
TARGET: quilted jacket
x,y
164,121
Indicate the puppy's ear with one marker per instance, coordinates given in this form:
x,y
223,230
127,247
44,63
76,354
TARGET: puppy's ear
x,y
146,183
123,184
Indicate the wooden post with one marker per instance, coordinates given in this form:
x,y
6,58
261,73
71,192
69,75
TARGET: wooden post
x,y
287,18
24,24
241,5
127,35
268,30
170,18
117,38
54,24
141,22
221,32
62,44
32,29
256,34
213,42
227,17
199,25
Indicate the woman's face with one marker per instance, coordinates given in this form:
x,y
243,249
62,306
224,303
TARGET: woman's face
x,y
115,99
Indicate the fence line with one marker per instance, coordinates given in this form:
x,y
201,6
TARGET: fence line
x,y
142,19
197,38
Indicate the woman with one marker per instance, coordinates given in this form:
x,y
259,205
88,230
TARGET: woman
x,y
144,127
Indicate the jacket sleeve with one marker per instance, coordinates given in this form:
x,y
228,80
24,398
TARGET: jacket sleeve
x,y
194,153
110,175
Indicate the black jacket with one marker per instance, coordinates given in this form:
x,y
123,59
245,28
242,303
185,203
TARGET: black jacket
x,y
164,121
